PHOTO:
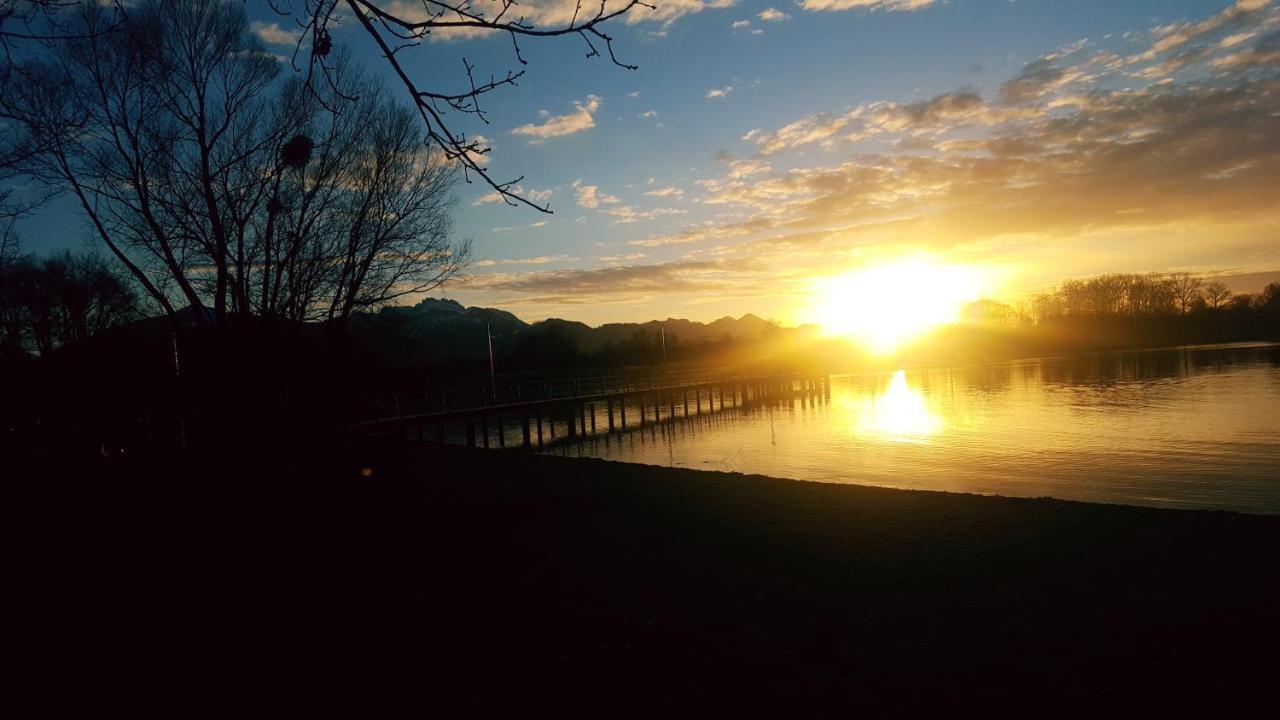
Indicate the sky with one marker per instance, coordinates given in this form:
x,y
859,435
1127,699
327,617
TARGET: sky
x,y
763,148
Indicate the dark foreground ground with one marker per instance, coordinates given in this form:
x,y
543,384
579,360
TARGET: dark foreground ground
x,y
478,582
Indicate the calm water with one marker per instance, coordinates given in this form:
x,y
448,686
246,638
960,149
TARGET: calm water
x,y
1190,427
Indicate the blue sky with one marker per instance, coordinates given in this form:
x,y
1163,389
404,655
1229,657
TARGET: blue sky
x,y
763,146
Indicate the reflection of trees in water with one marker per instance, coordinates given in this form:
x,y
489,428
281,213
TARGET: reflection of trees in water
x,y
989,379
1132,380
1146,365
1107,368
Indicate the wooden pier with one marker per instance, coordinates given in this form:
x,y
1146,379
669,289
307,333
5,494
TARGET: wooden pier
x,y
580,408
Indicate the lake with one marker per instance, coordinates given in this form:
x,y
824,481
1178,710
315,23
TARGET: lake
x,y
1194,427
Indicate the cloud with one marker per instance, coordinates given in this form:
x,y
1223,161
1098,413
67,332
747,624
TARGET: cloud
x,y
615,259
889,5
533,195
773,15
626,214
667,11
590,197
649,114
548,14
273,34
1035,80
1176,35
530,226
666,192
1197,159
710,230
741,24
819,128
622,283
938,114
540,260
1264,52
582,118
484,147
719,92
1187,44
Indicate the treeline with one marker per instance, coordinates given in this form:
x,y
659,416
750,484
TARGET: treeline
x,y
48,303
1112,311
1150,295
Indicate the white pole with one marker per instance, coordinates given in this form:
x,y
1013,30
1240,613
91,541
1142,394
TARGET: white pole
x,y
493,378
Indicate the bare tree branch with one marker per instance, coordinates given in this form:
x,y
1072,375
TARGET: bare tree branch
x,y
393,30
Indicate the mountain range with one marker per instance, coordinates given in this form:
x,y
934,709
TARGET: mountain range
x,y
446,330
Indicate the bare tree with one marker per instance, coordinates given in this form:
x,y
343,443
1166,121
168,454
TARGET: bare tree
x,y
1075,298
9,248
1105,294
220,191
1186,290
397,26
27,26
11,331
62,300
1130,295
1216,294
1148,295
1047,305
364,222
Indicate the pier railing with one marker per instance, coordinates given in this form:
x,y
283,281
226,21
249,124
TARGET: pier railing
x,y
441,401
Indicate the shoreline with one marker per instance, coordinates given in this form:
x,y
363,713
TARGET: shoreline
x,y
746,594
851,484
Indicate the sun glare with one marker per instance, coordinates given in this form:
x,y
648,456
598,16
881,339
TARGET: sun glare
x,y
899,412
887,305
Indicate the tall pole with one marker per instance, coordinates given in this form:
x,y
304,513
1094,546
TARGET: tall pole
x,y
493,378
177,374
662,329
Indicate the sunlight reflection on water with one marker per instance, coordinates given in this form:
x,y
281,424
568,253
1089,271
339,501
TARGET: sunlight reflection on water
x,y
898,413
1189,427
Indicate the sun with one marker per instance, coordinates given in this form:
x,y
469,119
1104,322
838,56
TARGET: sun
x,y
888,304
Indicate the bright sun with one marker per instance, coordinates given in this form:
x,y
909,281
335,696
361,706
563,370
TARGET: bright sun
x,y
888,304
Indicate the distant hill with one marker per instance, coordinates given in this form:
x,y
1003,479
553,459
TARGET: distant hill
x,y
441,330
677,330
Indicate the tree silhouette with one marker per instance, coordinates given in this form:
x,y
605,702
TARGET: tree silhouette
x,y
221,189
1216,294
1269,300
61,300
399,26
24,25
1135,296
1186,290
